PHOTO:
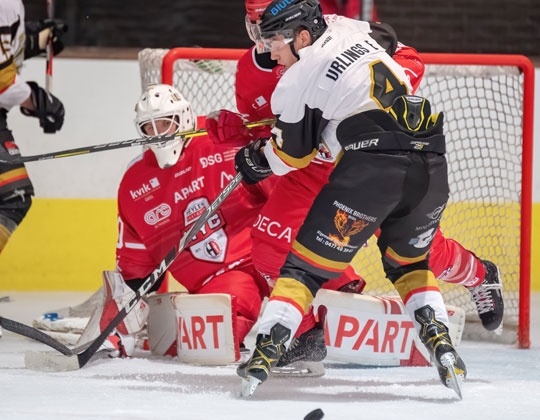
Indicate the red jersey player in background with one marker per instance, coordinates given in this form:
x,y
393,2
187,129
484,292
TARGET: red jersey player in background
x,y
279,220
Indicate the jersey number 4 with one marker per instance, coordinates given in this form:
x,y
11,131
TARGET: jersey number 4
x,y
386,85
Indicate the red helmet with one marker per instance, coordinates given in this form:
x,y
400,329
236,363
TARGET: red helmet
x,y
255,8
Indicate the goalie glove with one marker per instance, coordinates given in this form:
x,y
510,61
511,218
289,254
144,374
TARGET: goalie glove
x,y
47,108
251,162
38,34
229,128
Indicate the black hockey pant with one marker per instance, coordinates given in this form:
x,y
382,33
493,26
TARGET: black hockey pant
x,y
402,193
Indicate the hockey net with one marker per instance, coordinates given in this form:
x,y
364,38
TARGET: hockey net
x,y
488,105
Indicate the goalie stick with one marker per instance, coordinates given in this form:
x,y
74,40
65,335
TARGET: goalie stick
x,y
115,145
79,357
34,334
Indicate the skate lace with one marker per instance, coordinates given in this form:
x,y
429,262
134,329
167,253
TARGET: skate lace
x,y
483,297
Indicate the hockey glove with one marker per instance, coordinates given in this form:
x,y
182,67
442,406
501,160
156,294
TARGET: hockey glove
x,y
47,108
228,128
38,33
251,162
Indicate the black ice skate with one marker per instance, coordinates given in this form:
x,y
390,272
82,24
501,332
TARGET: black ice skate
x,y
488,298
309,347
268,350
435,337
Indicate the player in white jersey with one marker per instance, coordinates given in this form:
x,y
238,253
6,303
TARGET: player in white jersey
x,y
390,174
22,40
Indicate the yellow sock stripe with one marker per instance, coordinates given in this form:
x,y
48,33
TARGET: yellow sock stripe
x,y
415,282
293,292
401,260
316,260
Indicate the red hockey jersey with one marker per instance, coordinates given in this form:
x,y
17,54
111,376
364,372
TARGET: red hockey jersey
x,y
157,206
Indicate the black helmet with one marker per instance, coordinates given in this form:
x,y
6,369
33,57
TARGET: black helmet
x,y
285,16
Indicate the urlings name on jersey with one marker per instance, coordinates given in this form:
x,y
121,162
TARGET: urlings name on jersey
x,y
347,58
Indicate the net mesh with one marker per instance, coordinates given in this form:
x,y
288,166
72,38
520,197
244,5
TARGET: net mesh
x,y
483,123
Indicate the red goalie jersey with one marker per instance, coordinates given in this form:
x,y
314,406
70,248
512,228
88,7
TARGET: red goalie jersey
x,y
156,206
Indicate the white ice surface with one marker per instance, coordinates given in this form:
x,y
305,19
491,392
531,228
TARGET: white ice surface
x,y
503,383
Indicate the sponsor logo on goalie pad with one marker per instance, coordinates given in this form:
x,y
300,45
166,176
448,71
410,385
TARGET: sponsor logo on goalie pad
x,y
375,331
206,325
195,328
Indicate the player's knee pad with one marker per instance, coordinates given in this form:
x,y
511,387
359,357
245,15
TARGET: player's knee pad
x,y
116,294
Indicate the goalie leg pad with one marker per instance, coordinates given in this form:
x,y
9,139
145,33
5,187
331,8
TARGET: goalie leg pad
x,y
162,325
375,330
206,328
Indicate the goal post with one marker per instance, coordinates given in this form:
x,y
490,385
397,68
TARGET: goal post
x,y
503,86
488,105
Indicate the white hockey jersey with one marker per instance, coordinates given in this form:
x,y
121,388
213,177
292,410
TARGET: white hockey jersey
x,y
13,91
344,72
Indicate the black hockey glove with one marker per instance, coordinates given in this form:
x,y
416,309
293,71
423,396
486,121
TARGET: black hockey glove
x,y
48,109
251,163
38,33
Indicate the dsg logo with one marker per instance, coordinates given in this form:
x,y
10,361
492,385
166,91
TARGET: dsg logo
x,y
211,160
157,214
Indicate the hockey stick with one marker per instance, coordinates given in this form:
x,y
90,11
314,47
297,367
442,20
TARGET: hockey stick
x,y
75,359
115,145
49,51
34,334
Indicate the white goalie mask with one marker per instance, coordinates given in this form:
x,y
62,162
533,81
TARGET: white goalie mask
x,y
162,110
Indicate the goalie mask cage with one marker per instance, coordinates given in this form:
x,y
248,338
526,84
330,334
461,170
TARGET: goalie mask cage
x,y
488,105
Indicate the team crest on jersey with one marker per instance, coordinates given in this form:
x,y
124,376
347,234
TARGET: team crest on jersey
x,y
194,209
212,248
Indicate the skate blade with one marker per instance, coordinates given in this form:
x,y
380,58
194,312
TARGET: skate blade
x,y
454,379
48,361
249,385
300,369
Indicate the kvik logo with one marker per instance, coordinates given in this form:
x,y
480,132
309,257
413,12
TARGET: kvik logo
x,y
144,189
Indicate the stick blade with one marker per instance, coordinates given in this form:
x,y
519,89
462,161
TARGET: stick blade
x,y
49,361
